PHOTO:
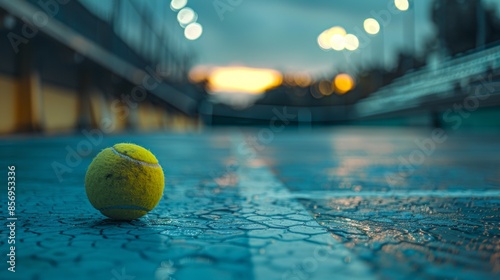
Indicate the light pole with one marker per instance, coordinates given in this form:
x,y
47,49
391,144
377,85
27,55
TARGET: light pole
x,y
411,27
372,27
407,5
481,26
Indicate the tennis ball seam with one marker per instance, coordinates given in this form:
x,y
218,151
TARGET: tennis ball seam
x,y
133,159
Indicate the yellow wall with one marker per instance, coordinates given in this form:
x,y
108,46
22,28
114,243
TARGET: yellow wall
x,y
149,116
119,113
153,117
7,104
60,109
108,114
97,107
56,109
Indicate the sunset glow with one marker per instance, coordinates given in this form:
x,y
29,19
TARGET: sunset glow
x,y
243,79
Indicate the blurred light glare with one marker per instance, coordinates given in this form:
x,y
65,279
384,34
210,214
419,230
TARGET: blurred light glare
x,y
343,83
176,5
193,31
337,42
239,79
325,88
324,39
302,79
371,26
402,5
186,16
351,42
336,30
324,42
199,73
289,80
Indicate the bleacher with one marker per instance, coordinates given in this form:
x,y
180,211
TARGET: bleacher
x,y
436,82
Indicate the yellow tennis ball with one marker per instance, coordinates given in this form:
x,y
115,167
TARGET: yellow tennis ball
x,y
124,182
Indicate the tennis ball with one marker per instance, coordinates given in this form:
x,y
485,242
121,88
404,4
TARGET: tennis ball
x,y
124,182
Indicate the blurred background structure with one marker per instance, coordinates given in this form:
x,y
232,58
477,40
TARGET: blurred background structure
x,y
150,65
66,66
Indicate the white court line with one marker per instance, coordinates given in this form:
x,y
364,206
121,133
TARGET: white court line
x,y
261,182
398,194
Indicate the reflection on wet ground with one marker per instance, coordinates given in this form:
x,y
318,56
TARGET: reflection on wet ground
x,y
353,203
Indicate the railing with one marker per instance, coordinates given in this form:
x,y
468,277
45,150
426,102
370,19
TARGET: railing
x,y
67,26
441,80
135,23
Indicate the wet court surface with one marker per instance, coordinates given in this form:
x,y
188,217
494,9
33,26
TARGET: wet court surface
x,y
328,204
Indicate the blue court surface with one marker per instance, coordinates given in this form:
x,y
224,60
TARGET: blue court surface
x,y
340,203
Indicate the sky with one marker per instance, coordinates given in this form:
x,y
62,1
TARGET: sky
x,y
282,34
